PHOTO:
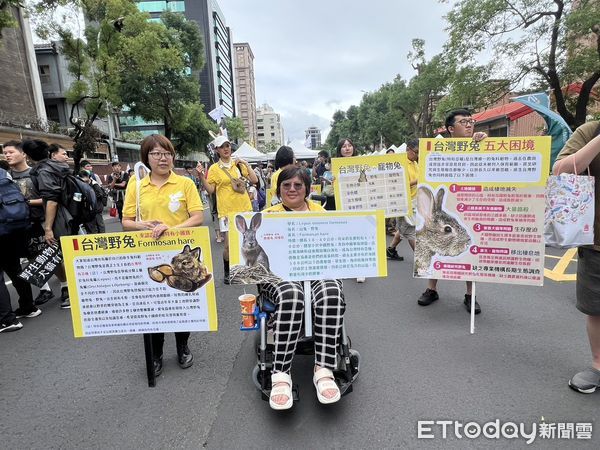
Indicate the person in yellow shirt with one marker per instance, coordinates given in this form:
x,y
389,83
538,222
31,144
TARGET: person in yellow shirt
x,y
405,228
293,187
166,200
229,201
283,158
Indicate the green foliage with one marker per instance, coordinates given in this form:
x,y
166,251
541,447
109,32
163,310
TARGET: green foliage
x,y
132,136
548,42
235,129
191,127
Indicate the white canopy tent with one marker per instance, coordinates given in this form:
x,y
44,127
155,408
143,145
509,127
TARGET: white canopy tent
x,y
249,153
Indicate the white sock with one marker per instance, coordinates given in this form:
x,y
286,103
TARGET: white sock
x,y
45,287
63,284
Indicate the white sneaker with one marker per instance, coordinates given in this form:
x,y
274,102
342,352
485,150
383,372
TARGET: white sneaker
x,y
361,280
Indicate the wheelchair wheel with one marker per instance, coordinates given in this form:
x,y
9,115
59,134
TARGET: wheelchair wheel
x,y
257,377
354,363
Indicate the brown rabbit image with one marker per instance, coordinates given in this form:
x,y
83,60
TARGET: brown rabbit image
x,y
252,252
186,271
362,178
441,234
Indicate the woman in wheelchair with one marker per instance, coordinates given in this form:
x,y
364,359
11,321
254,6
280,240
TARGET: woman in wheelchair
x,y
293,187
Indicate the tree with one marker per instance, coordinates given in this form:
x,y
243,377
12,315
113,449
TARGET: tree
x,y
191,128
164,94
552,42
235,129
118,38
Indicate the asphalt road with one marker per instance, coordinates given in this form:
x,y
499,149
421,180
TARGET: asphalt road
x,y
417,363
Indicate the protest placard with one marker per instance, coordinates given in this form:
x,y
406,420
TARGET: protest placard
x,y
130,283
291,246
481,209
45,263
372,182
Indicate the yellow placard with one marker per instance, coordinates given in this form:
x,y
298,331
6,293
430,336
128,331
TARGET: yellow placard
x,y
373,182
481,209
130,283
514,161
297,246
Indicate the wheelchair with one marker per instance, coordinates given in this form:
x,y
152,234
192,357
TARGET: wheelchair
x,y
348,359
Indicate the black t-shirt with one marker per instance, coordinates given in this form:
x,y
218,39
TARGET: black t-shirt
x,y
23,180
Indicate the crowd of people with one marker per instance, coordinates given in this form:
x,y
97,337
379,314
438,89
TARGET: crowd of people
x,y
231,185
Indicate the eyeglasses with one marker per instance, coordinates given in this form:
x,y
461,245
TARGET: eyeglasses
x,y
464,122
287,186
157,156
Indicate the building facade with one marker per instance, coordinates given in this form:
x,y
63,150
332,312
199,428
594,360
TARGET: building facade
x,y
246,93
269,129
22,101
216,77
314,134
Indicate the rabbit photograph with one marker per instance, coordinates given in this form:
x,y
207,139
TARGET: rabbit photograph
x,y
252,252
440,233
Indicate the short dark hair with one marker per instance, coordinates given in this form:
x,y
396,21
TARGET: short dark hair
x,y
36,149
338,147
84,173
54,148
284,157
152,141
324,153
114,163
412,143
4,165
16,144
291,172
84,162
451,116
188,166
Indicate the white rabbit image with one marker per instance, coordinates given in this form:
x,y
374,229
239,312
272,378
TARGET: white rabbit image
x,y
441,234
252,252
174,203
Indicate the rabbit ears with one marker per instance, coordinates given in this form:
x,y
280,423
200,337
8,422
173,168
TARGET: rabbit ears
x,y
240,222
427,205
195,252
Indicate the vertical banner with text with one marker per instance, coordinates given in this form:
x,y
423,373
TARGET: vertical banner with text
x,y
130,283
372,182
481,209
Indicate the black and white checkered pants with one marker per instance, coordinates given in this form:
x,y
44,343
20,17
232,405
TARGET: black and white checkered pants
x,y
328,315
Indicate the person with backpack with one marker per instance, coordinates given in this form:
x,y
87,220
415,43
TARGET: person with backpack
x,y
14,223
97,224
19,171
49,177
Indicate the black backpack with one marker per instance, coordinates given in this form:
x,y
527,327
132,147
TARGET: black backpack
x,y
14,210
80,200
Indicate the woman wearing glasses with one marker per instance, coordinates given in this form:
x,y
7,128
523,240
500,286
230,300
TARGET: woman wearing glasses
x,y
166,200
220,179
293,187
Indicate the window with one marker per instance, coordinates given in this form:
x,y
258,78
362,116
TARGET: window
x,y
261,134
52,113
154,6
44,74
260,127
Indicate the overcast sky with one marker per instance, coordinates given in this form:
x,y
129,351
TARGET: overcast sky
x,y
315,56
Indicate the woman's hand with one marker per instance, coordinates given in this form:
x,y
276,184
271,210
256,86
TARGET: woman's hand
x,y
148,224
158,230
200,170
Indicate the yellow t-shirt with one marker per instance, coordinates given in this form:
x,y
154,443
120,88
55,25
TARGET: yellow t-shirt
x,y
413,175
228,201
273,188
312,206
170,204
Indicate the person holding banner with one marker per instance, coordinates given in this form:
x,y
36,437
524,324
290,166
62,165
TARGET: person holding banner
x,y
166,200
231,199
581,152
293,187
460,124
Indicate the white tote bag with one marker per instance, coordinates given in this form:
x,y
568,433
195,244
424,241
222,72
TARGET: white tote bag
x,y
569,219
